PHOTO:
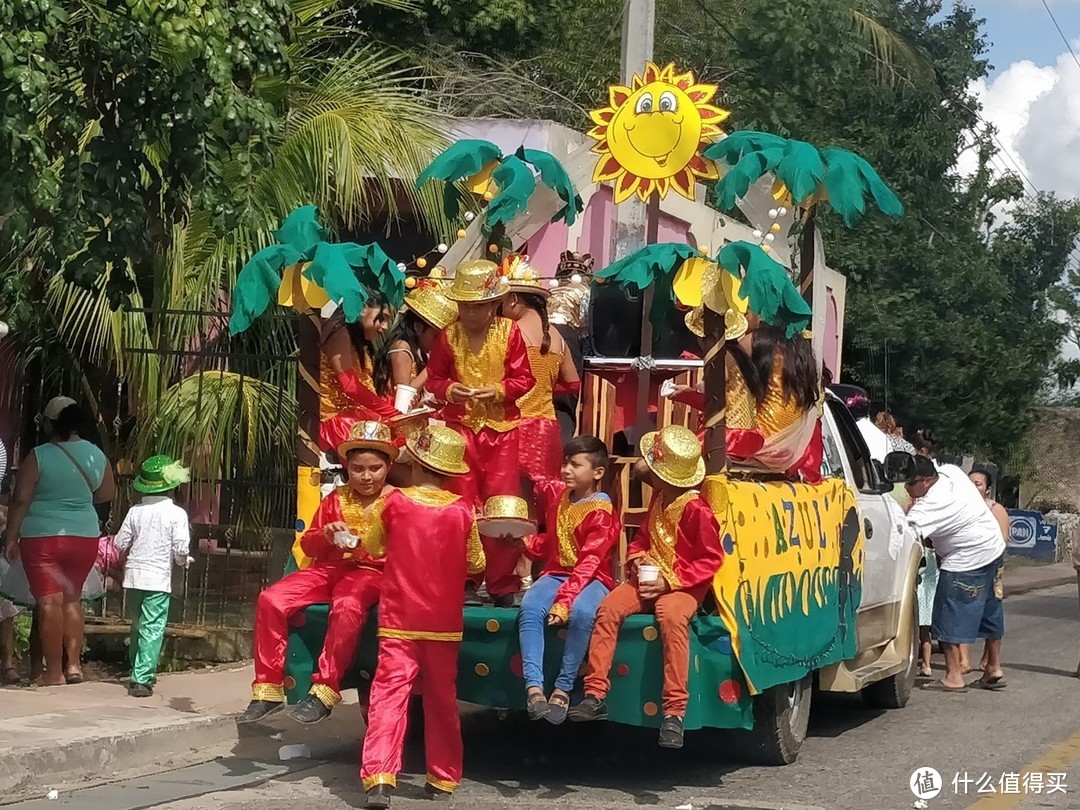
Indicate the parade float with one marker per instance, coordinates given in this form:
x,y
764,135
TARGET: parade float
x,y
818,582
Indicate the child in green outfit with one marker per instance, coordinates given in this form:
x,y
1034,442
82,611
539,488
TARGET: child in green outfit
x,y
155,534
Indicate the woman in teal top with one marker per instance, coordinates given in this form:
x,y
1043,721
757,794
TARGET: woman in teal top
x,y
53,527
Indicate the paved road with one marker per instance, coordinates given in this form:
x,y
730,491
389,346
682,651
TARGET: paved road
x,y
854,759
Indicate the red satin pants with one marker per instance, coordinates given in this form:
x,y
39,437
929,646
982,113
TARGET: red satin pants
x,y
401,662
495,470
351,591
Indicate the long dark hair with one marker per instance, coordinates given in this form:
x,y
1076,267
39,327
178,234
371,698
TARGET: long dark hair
x,y
408,327
364,347
538,304
799,380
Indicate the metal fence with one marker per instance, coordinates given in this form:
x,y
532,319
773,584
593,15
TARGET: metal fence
x,y
225,405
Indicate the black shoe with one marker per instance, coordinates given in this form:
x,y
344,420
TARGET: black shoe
x,y
310,711
591,708
671,732
472,598
140,690
258,710
507,600
379,796
436,793
558,710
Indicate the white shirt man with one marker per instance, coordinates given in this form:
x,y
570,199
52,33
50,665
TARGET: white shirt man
x,y
955,518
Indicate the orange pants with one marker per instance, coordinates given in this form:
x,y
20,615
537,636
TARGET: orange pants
x,y
494,470
401,662
673,611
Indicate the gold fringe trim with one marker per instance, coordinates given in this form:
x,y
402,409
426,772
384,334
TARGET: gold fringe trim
x,y
560,611
418,635
441,784
379,779
326,696
272,692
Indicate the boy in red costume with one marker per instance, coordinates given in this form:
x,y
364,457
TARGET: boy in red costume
x,y
681,538
480,368
343,574
431,546
576,547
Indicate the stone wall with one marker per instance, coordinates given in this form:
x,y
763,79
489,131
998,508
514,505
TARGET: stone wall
x,y
1054,483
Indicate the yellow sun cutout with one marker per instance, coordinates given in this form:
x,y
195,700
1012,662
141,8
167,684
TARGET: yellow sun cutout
x,y
651,134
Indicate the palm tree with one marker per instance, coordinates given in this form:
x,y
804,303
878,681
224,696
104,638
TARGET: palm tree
x,y
355,132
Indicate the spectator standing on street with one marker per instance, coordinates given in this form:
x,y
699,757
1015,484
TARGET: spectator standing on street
x,y
858,402
982,480
8,610
949,513
155,534
53,526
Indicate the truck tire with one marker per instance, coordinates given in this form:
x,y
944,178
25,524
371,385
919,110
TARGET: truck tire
x,y
893,692
781,717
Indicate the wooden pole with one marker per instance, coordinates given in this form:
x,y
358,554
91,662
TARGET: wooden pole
x,y
806,256
652,227
715,444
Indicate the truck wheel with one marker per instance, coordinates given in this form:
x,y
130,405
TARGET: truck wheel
x,y
781,717
893,692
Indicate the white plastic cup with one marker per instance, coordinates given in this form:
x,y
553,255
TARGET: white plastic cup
x,y
345,539
403,398
648,573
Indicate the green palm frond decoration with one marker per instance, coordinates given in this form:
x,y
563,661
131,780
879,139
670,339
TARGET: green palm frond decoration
x,y
554,176
653,264
767,287
346,271
480,163
804,173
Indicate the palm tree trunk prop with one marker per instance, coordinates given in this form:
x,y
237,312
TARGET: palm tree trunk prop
x,y
715,394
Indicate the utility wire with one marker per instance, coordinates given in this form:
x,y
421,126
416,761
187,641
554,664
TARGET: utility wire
x,y
1064,38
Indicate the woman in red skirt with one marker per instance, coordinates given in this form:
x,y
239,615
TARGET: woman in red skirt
x,y
54,528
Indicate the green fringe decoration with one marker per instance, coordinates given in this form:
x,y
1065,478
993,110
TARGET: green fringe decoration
x,y
653,264
516,185
554,176
768,288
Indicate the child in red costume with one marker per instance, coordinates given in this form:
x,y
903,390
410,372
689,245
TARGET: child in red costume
x,y
345,576
681,538
480,368
431,545
577,549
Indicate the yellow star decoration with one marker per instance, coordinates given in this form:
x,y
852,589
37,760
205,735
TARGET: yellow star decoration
x,y
651,134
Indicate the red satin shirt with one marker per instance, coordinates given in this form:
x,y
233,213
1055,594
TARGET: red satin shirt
x,y
431,546
503,361
580,541
343,506
683,539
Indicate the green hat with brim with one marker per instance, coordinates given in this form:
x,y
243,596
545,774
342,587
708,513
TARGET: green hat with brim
x,y
160,474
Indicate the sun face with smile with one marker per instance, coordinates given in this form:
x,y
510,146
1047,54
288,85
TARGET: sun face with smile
x,y
651,133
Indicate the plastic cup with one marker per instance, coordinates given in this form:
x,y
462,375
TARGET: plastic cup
x,y
346,539
403,398
648,573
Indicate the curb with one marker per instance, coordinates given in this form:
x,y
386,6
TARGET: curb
x,y
1054,581
36,769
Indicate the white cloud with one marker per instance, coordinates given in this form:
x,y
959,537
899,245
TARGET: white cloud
x,y
1036,111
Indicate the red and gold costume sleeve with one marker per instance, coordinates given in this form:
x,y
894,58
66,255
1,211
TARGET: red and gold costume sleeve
x,y
639,544
476,562
549,492
595,538
698,551
502,361
342,506
359,390
692,399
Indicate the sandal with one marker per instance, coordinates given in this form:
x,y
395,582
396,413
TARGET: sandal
x,y
74,676
537,706
991,684
10,675
558,705
939,686
926,672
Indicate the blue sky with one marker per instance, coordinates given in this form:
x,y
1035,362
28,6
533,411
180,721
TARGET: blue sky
x,y
1021,29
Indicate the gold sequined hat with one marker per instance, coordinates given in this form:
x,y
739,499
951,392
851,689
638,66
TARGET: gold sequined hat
x,y
439,448
505,515
477,281
522,277
369,435
428,300
506,506
674,454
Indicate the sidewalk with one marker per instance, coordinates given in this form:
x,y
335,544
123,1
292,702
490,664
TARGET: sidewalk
x,y
1025,578
65,737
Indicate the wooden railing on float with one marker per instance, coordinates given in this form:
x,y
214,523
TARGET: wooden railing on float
x,y
596,417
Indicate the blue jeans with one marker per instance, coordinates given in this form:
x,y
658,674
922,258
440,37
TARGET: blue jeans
x,y
968,605
533,619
